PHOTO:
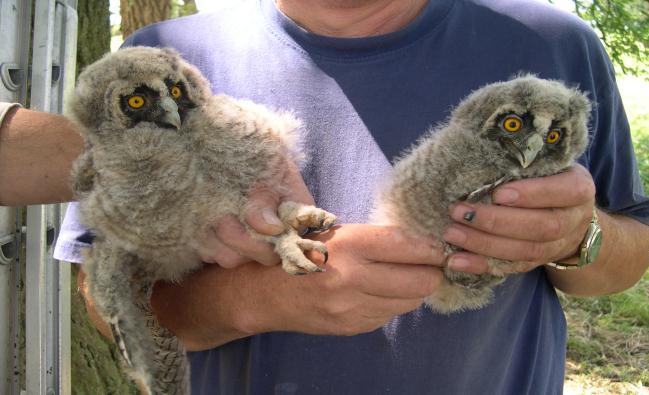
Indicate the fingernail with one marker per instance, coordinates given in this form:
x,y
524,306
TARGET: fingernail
x,y
468,216
459,263
505,196
454,236
270,217
463,212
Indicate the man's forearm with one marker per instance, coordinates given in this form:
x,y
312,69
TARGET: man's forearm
x,y
623,259
36,154
206,310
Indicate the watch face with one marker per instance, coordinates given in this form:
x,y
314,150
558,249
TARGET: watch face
x,y
594,243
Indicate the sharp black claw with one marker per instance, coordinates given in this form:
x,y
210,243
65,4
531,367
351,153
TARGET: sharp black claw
x,y
326,257
318,229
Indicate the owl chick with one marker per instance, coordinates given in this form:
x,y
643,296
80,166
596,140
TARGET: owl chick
x,y
525,127
164,160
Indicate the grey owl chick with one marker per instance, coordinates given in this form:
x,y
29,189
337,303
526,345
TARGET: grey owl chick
x,y
164,160
525,127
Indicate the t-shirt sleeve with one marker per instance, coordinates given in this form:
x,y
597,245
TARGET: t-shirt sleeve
x,y
4,109
73,237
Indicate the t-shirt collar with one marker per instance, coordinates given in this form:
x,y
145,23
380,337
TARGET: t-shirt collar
x,y
427,20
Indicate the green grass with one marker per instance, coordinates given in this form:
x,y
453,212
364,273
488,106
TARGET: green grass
x,y
608,336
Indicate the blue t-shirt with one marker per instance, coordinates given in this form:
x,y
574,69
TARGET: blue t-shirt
x,y
362,102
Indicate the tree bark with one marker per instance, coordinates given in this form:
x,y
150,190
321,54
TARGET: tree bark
x,y
138,13
93,31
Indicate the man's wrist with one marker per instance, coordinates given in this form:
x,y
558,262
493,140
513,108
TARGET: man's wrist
x,y
588,249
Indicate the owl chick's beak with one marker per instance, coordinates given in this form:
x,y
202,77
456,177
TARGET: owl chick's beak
x,y
527,153
170,117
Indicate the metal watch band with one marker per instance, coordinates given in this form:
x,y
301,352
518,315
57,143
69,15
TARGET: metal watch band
x,y
588,249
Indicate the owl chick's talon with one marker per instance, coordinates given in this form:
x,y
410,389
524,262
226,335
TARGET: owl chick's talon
x,y
298,215
291,247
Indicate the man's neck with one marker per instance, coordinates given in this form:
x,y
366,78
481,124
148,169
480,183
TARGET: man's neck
x,y
351,18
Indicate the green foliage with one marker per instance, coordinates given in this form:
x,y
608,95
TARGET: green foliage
x,y
641,143
182,8
623,26
635,94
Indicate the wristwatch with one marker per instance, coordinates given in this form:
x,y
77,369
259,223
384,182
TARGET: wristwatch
x,y
588,250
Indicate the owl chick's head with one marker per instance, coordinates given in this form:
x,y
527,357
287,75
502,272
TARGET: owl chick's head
x,y
135,85
535,121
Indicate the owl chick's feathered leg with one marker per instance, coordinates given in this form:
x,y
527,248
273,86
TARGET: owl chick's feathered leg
x,y
122,295
171,375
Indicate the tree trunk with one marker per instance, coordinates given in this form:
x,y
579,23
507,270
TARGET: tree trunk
x,y
138,13
93,31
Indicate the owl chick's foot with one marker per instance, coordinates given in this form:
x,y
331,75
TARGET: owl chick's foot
x,y
291,247
302,217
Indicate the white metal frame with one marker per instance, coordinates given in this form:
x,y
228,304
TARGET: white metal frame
x,y
47,281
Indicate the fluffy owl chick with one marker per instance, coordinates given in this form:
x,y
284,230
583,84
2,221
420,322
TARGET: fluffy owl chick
x,y
164,160
525,127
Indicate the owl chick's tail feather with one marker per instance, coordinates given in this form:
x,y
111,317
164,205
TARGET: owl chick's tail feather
x,y
152,355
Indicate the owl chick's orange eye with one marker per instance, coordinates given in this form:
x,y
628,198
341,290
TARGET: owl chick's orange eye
x,y
175,91
512,123
136,101
553,136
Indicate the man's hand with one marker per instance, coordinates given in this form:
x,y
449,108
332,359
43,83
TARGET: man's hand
x,y
532,221
230,245
374,273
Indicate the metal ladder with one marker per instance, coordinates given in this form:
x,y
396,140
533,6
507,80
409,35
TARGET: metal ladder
x,y
33,229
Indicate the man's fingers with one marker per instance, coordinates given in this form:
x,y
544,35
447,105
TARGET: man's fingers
x,y
571,188
468,263
406,281
234,235
505,248
388,244
521,223
260,212
224,256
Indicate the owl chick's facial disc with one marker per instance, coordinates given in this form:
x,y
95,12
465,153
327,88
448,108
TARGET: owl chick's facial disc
x,y
144,85
145,104
533,130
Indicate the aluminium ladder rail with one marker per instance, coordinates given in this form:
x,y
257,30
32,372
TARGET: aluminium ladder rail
x,y
47,281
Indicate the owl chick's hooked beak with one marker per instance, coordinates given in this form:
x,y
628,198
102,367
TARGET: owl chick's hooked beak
x,y
525,151
170,115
